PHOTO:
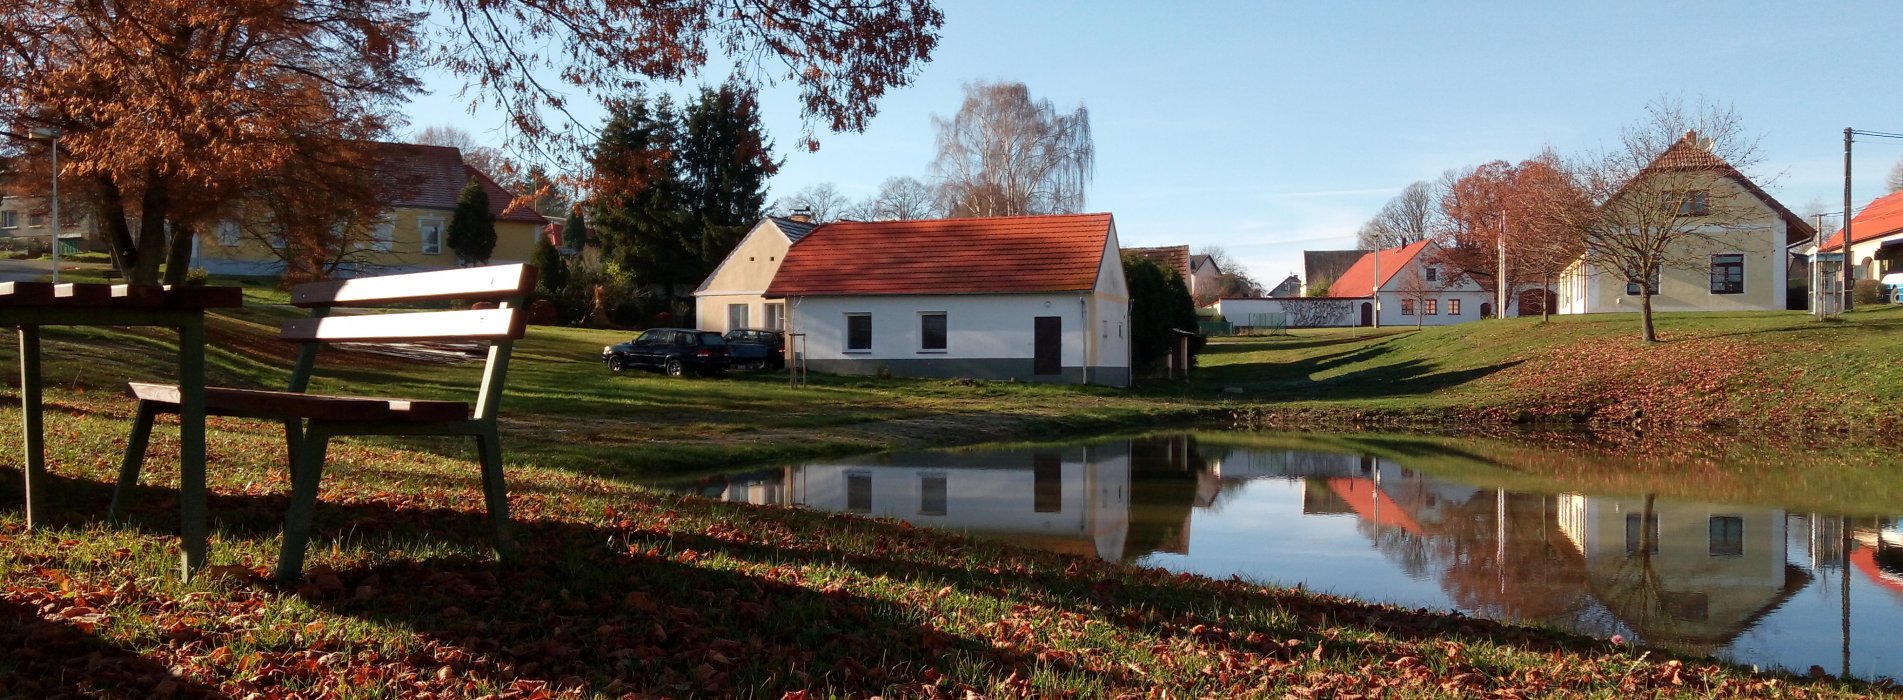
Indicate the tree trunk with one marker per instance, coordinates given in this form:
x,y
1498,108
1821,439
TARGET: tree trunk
x,y
1645,313
152,250
1546,299
112,216
178,254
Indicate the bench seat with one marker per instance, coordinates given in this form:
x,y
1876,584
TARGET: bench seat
x,y
286,404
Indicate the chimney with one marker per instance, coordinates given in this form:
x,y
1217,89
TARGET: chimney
x,y
803,215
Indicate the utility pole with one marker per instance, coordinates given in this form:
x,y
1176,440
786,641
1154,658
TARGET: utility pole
x,y
1500,269
1376,293
1816,268
1847,218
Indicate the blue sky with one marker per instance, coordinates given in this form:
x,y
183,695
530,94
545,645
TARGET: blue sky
x,y
1268,128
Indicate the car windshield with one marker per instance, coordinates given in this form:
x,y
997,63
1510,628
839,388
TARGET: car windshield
x,y
711,338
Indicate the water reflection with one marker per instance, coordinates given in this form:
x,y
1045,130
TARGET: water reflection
x,y
1751,584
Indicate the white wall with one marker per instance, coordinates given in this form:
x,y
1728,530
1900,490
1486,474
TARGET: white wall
x,y
741,278
977,326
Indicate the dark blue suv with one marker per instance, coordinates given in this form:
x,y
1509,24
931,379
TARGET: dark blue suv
x,y
675,351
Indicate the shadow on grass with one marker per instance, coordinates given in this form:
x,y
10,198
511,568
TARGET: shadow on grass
x,y
42,659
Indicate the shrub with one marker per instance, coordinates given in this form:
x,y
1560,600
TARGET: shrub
x,y
1869,292
197,277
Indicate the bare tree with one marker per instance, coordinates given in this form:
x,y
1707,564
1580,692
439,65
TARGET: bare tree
x,y
1006,154
899,199
1822,214
490,160
1666,195
1410,216
821,201
1417,288
1895,180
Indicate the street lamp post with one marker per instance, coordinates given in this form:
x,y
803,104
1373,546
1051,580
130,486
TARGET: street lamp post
x,y
51,134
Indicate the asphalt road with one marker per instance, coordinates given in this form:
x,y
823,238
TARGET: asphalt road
x,y
29,270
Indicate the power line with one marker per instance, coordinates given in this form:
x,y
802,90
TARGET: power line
x,y
1878,134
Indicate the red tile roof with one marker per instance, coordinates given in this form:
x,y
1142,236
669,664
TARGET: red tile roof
x,y
433,177
1175,257
1358,282
1691,153
1881,218
1000,255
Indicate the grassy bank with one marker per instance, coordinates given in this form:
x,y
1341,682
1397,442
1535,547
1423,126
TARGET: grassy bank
x,y
1776,372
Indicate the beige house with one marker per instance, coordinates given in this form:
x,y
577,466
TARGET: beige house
x,y
731,297
411,237
25,218
1742,254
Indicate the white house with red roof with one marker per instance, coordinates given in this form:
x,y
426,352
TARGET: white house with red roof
x,y
1405,286
1877,249
1031,298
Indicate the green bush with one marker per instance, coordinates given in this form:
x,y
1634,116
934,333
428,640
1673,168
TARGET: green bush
x,y
1869,292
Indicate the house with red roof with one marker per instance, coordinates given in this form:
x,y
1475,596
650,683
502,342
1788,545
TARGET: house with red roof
x,y
1405,286
1030,298
1739,262
425,182
1877,249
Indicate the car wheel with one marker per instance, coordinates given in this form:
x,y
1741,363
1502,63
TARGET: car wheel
x,y
616,364
674,368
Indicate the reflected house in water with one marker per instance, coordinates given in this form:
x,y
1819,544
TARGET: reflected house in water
x,y
1689,575
1113,500
1879,556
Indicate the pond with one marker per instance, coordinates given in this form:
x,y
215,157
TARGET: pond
x,y
1419,522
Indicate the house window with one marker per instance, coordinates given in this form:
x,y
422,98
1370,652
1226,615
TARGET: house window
x,y
1727,273
1727,536
858,492
36,220
931,331
1651,283
858,332
776,316
1637,536
932,494
431,236
736,316
1453,307
1433,273
9,219
1431,308
1407,307
227,233
1685,202
383,236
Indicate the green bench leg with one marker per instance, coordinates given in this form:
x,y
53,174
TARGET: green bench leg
x,y
308,470
495,491
31,420
135,459
293,442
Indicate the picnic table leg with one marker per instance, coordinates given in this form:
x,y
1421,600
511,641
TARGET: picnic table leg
x,y
134,460
34,422
191,443
308,473
495,492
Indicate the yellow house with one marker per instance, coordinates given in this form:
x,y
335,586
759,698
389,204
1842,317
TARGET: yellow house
x,y
1738,262
411,237
731,297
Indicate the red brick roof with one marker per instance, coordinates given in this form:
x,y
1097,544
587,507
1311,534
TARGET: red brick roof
x,y
433,177
1691,153
1358,282
1880,218
1175,257
1000,255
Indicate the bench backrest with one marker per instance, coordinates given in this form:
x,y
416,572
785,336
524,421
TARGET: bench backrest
x,y
506,285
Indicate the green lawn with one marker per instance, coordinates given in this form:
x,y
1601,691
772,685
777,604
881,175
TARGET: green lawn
x,y
624,590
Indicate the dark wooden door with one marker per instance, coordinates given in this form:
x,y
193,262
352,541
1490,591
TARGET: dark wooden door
x,y
1048,350
1367,313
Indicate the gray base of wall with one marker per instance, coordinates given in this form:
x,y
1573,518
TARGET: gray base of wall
x,y
969,368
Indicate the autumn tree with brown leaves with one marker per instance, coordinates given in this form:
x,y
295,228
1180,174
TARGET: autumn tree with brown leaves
x,y
1527,209
173,109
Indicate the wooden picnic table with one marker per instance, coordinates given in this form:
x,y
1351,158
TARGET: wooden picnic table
x,y
30,306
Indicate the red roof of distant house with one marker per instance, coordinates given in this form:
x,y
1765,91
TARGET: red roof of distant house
x,y
1358,282
1175,257
1001,255
1372,504
1881,218
433,177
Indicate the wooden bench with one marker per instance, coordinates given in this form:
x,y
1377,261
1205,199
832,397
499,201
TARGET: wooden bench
x,y
311,420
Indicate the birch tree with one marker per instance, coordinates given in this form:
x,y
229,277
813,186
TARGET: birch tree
x,y
1007,154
